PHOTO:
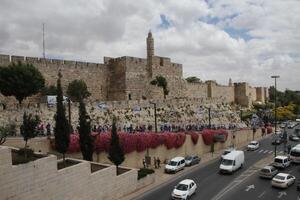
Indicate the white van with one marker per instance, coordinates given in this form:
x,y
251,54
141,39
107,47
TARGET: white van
x,y
232,162
281,162
175,164
295,154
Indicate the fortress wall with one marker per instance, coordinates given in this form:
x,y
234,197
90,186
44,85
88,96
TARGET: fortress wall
x,y
117,79
260,94
196,90
95,75
136,78
225,92
240,91
266,93
252,93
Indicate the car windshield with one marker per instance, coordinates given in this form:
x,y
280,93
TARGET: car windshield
x,y
226,152
227,162
253,143
188,158
280,177
278,160
172,163
265,170
182,187
295,153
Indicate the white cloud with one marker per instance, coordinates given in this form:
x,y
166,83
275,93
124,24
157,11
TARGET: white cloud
x,y
249,40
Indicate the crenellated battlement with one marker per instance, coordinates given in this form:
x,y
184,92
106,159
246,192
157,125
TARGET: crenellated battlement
x,y
7,59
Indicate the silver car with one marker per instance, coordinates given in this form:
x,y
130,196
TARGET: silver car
x,y
268,172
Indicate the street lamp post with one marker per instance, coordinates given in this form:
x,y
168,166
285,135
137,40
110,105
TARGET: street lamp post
x,y
209,118
155,119
275,102
69,109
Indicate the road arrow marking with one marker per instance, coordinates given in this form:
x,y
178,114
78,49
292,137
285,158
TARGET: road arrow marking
x,y
249,187
280,194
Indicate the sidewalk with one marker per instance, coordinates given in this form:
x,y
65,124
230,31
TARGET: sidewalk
x,y
163,178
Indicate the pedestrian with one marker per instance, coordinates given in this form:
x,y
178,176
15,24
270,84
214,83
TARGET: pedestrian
x,y
48,128
158,162
289,147
155,162
144,163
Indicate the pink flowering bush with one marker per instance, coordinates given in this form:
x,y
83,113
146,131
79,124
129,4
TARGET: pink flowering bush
x,y
194,137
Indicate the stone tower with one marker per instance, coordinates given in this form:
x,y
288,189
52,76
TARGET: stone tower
x,y
230,83
150,53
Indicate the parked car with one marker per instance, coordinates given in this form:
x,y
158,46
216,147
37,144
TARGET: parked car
x,y
268,172
174,165
184,190
281,162
253,145
294,137
298,184
283,180
227,151
192,160
277,141
232,162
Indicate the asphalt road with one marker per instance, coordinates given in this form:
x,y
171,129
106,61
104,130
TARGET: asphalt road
x,y
253,187
211,184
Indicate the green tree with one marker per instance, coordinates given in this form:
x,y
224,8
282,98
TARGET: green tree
x,y
86,140
49,90
29,128
193,79
77,90
62,128
115,153
161,81
3,134
20,80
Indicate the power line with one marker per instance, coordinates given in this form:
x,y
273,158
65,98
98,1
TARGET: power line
x,y
44,54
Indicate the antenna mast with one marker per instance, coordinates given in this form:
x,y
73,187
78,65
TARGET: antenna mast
x,y
44,54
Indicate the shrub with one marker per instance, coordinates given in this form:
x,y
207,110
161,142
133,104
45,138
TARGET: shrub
x,y
269,129
194,137
180,139
143,172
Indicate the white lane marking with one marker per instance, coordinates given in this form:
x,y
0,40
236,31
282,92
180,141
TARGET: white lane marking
x,y
249,187
270,152
280,194
266,151
262,194
235,183
260,151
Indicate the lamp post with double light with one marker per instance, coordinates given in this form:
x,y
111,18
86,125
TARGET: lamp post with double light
x,y
275,102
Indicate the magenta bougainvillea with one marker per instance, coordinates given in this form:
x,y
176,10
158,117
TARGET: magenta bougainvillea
x,y
132,142
211,136
194,137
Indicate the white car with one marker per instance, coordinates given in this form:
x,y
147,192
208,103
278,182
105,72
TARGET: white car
x,y
184,190
253,145
283,180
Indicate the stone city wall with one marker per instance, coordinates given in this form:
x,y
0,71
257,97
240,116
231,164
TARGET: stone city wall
x,y
94,74
40,179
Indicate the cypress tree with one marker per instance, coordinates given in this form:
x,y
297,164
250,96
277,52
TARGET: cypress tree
x,y
62,128
86,140
115,154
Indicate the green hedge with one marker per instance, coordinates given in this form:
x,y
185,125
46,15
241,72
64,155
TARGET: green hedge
x,y
144,172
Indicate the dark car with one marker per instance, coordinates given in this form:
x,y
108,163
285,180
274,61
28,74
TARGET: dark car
x,y
276,141
294,137
192,160
298,184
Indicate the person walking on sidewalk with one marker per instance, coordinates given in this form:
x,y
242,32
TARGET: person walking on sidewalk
x,y
155,162
158,162
144,163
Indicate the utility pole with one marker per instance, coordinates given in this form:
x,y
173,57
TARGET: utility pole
x,y
209,118
44,54
155,118
275,102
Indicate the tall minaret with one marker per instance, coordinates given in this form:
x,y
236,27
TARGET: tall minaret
x,y
150,53
230,83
